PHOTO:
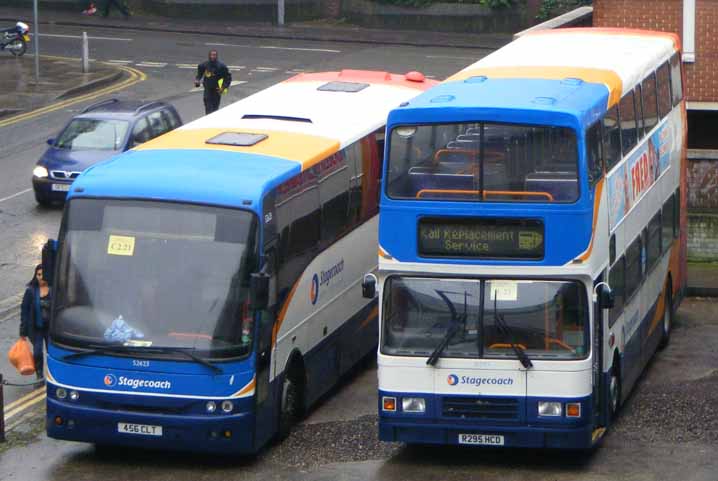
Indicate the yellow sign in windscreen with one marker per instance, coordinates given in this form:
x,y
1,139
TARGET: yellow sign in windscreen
x,y
120,245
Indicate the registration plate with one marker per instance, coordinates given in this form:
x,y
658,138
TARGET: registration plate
x,y
142,429
61,187
482,439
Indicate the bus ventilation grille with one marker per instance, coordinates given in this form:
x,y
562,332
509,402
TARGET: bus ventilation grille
x,y
503,409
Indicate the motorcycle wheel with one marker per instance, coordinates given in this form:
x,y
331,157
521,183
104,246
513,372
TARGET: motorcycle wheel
x,y
17,47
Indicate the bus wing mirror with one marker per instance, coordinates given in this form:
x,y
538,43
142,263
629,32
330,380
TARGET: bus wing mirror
x,y
49,255
606,297
368,286
259,290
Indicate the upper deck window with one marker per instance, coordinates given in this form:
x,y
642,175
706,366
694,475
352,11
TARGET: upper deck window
x,y
487,162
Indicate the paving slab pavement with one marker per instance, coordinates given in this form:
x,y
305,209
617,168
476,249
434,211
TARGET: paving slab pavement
x,y
316,30
60,78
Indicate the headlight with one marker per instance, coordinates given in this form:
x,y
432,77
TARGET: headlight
x,y
74,395
211,406
413,405
61,393
227,406
549,408
39,171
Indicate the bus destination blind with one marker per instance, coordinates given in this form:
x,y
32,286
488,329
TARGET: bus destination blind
x,y
481,238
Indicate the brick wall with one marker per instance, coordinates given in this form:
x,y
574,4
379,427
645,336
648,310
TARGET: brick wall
x,y
667,15
702,237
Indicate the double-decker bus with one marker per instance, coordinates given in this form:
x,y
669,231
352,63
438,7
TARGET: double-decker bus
x,y
207,283
532,240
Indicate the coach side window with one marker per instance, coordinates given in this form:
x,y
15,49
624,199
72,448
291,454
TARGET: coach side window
x,y
639,112
667,220
653,241
617,281
663,79
612,138
334,197
629,127
650,102
676,80
594,153
634,267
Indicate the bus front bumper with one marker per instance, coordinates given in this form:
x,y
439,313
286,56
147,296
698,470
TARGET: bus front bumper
x,y
525,436
230,434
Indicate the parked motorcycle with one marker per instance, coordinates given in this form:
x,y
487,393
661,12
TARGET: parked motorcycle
x,y
15,39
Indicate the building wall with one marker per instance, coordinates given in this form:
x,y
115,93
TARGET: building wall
x,y
667,15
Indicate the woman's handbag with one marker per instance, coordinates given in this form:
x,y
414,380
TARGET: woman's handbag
x,y
20,355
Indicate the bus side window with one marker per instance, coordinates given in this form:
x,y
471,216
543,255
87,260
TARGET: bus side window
x,y
639,112
653,241
594,151
650,102
334,197
617,281
629,128
676,79
612,138
612,249
677,215
663,79
633,267
667,221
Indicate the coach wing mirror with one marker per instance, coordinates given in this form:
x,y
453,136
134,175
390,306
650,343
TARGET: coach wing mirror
x,y
605,297
368,286
259,290
49,254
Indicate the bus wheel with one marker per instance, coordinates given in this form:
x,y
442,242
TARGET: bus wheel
x,y
614,390
667,317
290,409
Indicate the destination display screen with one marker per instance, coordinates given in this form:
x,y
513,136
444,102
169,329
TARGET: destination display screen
x,y
481,238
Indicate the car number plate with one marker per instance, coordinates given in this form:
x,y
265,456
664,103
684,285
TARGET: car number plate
x,y
482,439
142,429
61,187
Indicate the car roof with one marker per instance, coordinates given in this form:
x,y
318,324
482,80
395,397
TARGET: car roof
x,y
121,109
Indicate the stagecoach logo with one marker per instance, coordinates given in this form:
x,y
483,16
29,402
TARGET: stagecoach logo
x,y
314,289
477,381
110,380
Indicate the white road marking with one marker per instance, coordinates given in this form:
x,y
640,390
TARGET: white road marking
x,y
234,82
236,67
116,39
274,47
152,64
268,69
186,65
17,194
451,56
121,62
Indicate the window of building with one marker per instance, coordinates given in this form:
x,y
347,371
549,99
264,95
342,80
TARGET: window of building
x,y
650,102
667,220
629,126
677,215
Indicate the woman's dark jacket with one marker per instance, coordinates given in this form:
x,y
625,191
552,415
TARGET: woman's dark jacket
x,y
30,313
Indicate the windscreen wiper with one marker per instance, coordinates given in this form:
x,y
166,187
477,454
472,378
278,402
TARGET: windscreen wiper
x,y
457,323
144,350
508,332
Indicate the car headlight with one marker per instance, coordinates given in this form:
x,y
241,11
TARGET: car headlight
x,y
549,408
39,171
413,405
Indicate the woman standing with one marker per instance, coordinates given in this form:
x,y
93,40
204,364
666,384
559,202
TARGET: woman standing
x,y
35,316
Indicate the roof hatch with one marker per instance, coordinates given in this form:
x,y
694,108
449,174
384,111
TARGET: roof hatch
x,y
339,86
236,139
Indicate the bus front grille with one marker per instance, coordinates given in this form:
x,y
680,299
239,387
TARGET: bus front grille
x,y
472,407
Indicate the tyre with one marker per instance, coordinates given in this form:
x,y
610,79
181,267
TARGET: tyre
x,y
17,47
614,390
291,403
667,323
41,200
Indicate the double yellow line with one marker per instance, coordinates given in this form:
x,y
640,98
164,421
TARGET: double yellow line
x,y
27,401
135,76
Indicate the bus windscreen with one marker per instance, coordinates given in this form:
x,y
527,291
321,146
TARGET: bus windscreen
x,y
488,162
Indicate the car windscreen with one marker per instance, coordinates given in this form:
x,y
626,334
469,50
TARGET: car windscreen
x,y
155,274
93,134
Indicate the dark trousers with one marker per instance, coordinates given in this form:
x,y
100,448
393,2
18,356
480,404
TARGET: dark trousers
x,y
117,3
39,337
211,101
